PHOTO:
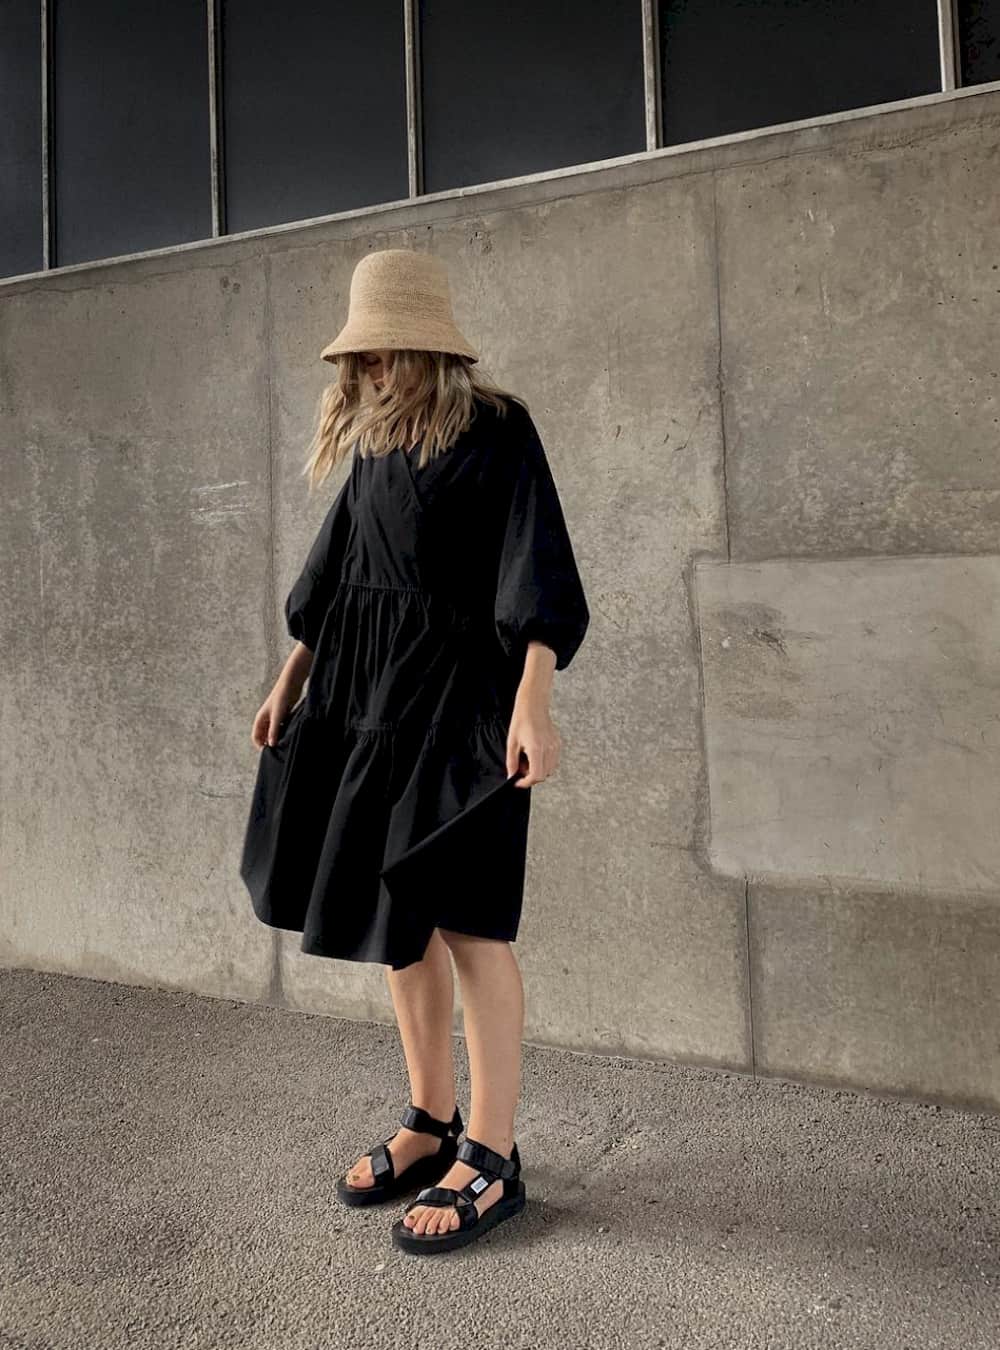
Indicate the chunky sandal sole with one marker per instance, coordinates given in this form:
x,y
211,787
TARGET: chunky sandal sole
x,y
419,1173
507,1207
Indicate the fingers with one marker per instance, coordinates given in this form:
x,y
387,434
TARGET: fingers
x,y
267,724
543,760
263,733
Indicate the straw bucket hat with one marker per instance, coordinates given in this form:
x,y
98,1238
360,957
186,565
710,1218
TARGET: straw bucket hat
x,y
399,298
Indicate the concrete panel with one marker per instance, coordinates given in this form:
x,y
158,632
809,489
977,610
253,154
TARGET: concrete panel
x,y
852,718
133,560
898,991
629,946
860,299
637,454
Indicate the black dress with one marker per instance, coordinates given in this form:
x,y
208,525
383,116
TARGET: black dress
x,y
384,809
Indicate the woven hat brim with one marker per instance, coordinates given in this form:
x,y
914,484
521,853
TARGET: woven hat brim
x,y
358,337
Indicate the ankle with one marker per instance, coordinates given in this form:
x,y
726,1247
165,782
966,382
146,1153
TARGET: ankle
x,y
418,1140
501,1142
436,1110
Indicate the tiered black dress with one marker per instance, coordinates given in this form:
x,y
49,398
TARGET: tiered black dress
x,y
385,810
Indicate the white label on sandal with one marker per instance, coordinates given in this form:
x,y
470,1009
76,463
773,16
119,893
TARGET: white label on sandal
x,y
479,1184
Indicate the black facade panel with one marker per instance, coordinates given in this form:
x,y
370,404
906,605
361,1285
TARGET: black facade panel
x,y
131,148
528,86
314,109
736,65
20,137
979,40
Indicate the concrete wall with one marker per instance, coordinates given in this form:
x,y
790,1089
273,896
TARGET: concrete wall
x,y
766,374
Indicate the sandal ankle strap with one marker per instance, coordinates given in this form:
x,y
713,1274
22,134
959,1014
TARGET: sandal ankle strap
x,y
416,1118
488,1161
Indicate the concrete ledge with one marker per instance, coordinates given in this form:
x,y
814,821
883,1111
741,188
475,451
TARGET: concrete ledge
x,y
885,124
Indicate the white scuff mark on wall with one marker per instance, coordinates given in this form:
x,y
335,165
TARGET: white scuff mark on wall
x,y
212,515
824,297
210,509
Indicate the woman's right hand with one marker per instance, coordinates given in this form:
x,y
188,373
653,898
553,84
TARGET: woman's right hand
x,y
285,694
270,715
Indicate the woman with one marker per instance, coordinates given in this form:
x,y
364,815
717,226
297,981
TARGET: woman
x,y
390,815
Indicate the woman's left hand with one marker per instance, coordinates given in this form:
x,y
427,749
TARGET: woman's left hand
x,y
532,734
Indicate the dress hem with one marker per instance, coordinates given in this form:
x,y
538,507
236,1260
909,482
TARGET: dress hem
x,y
312,947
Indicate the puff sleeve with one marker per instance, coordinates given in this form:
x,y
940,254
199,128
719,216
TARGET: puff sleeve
x,y
539,593
308,600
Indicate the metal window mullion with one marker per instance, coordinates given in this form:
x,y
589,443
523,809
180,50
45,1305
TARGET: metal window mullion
x,y
951,73
48,197
215,142
414,98
651,74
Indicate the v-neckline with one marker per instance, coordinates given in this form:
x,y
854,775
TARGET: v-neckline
x,y
411,477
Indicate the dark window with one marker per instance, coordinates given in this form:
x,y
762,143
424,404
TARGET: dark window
x,y
131,152
528,86
979,40
20,137
314,109
735,65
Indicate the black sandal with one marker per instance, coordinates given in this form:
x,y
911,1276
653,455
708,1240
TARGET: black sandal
x,y
492,1166
386,1184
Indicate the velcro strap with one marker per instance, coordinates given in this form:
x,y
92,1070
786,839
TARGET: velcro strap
x,y
381,1162
438,1197
487,1160
468,1217
416,1118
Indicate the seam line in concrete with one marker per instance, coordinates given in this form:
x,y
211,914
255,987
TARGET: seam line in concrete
x,y
275,990
746,937
720,374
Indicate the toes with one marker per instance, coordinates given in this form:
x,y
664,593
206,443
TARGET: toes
x,y
430,1219
360,1175
419,1217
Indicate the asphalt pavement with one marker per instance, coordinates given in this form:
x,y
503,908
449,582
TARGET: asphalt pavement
x,y
168,1165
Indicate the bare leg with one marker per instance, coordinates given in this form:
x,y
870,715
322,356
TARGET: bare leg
x,y
493,1001
423,996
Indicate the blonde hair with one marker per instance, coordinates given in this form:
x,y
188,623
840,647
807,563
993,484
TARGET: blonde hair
x,y
425,396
